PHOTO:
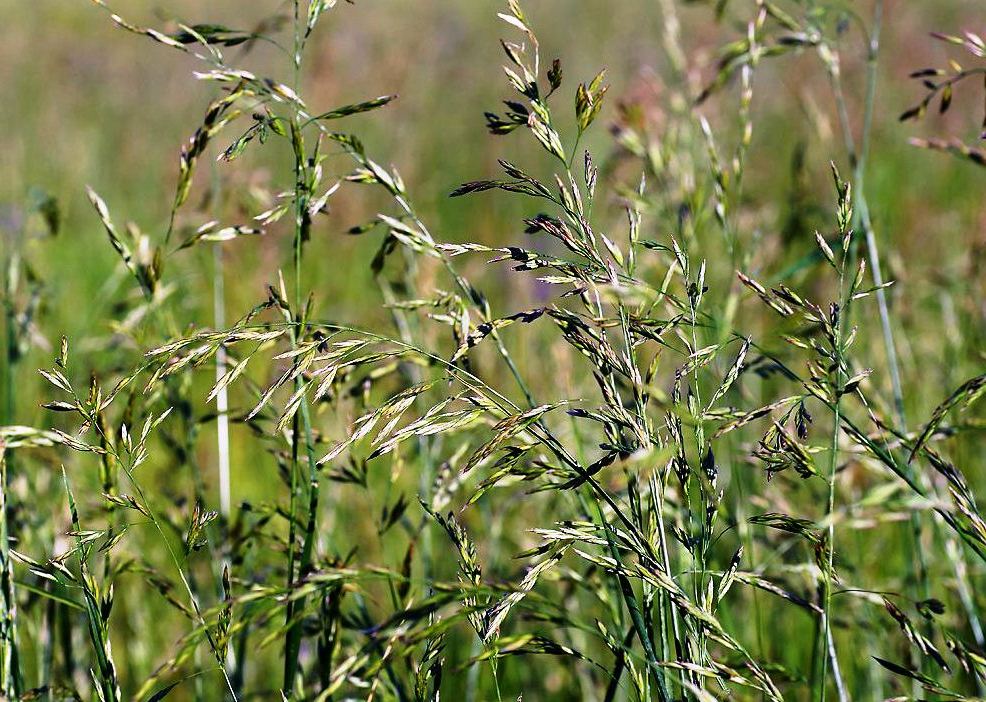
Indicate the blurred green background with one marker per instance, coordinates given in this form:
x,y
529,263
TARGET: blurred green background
x,y
86,103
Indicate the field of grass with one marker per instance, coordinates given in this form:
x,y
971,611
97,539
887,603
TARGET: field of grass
x,y
407,350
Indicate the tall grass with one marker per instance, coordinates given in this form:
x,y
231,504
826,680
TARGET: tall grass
x,y
637,471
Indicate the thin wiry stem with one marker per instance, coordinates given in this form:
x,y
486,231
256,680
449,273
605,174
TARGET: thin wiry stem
x,y
222,413
222,397
8,625
9,659
292,645
302,420
859,173
859,161
861,219
827,645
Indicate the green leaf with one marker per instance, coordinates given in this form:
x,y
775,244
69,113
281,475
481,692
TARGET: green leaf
x,y
968,393
347,110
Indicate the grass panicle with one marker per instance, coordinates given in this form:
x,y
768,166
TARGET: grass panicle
x,y
639,431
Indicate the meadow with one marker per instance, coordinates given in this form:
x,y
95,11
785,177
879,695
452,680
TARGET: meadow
x,y
542,350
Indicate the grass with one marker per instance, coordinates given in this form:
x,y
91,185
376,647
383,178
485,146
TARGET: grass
x,y
674,398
